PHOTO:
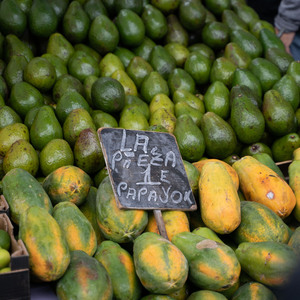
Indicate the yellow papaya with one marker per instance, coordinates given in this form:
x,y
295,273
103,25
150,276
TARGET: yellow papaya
x,y
199,165
219,200
261,184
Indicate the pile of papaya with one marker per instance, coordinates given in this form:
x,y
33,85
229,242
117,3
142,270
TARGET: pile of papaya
x,y
210,72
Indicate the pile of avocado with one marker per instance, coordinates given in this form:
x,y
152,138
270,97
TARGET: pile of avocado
x,y
210,72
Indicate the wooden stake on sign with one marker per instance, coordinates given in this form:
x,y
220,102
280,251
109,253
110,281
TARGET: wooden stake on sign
x,y
160,223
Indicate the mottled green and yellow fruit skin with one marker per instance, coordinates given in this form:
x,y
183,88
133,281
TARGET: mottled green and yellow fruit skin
x,y
76,228
206,295
67,183
85,278
175,221
261,184
253,290
212,265
270,263
219,200
21,191
294,182
259,224
160,265
49,255
118,225
119,265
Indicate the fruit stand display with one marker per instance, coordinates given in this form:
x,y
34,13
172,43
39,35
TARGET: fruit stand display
x,y
211,74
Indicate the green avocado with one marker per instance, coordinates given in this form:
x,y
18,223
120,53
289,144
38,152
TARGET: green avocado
x,y
220,138
283,147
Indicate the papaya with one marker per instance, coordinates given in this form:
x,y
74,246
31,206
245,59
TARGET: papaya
x,y
259,223
118,263
294,241
21,191
212,265
294,183
261,184
160,265
67,183
85,278
219,200
175,221
76,228
234,176
270,263
118,225
49,255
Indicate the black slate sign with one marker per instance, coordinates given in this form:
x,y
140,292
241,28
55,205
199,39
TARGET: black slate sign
x,y
146,170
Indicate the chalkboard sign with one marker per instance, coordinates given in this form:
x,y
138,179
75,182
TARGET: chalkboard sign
x,y
146,170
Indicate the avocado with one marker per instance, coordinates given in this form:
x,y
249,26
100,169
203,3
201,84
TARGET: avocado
x,y
269,39
266,72
75,23
144,49
198,66
222,70
127,83
183,108
59,7
103,119
14,70
243,91
215,35
12,19
246,13
66,83
10,134
131,28
82,65
166,6
44,128
247,120
203,49
247,41
138,69
189,138
109,64
8,116
280,58
22,155
216,99
58,45
279,114
256,148
94,8
192,14
133,118
125,55
283,147
69,101
220,138
176,32
161,101
191,99
178,52
152,85
16,47
161,61
289,90
23,97
57,63
232,20
217,6
257,25
76,121
237,55
42,19
163,118
138,102
103,35
30,116
88,154
182,80
294,71
155,22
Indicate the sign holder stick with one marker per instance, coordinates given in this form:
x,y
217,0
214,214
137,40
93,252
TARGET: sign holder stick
x,y
160,223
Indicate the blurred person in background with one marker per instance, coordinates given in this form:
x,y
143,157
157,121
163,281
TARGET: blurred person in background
x,y
285,16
